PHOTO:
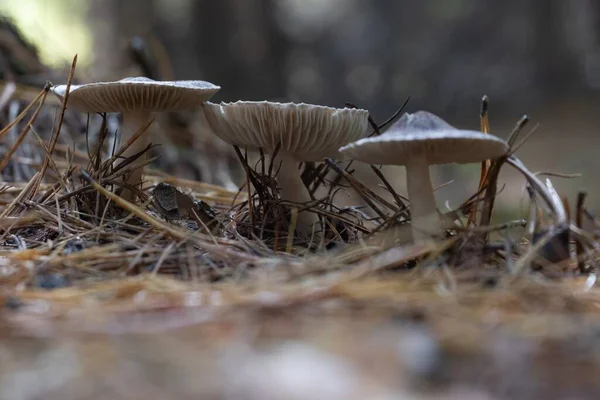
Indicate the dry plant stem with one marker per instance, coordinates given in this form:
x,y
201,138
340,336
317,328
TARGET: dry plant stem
x,y
425,221
362,190
132,121
578,223
554,204
485,165
390,189
293,189
491,190
56,133
23,133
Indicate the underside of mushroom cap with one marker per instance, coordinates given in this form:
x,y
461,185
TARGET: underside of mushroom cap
x,y
133,94
306,132
426,136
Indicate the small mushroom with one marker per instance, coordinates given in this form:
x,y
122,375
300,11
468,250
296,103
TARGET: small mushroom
x,y
137,99
303,132
417,141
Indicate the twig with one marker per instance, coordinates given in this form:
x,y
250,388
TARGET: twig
x,y
517,130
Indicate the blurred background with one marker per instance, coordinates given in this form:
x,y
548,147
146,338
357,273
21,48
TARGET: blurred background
x,y
534,57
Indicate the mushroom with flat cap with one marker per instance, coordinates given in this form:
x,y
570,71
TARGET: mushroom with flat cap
x,y
301,132
136,99
417,141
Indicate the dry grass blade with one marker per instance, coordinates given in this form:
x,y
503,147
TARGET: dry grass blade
x,y
138,212
491,191
514,134
59,175
24,132
225,251
244,161
8,223
27,190
393,118
105,166
557,174
517,146
399,202
396,256
578,223
365,193
196,186
61,119
8,127
524,263
553,202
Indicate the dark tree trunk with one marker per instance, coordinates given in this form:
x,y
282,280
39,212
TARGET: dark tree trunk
x,y
113,24
239,46
557,70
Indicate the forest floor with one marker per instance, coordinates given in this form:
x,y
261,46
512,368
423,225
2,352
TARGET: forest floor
x,y
102,298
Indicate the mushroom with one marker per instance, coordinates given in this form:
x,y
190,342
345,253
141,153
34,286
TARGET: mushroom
x,y
303,132
137,99
417,141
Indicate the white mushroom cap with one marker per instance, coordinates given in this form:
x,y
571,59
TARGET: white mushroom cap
x,y
417,141
423,134
137,94
306,132
137,99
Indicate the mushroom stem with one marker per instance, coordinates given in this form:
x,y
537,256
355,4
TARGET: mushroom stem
x,y
425,220
132,122
293,189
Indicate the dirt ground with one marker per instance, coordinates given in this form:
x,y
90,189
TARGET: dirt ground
x,y
376,339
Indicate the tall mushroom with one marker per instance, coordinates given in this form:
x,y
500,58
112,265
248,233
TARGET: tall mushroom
x,y
137,99
303,132
417,141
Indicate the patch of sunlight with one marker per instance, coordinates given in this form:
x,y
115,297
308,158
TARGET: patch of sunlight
x,y
305,19
177,10
56,27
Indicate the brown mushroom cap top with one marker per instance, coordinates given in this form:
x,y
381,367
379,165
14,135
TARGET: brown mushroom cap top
x,y
306,132
137,94
424,135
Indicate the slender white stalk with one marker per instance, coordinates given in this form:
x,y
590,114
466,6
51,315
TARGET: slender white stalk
x,y
132,122
425,220
293,189
224,174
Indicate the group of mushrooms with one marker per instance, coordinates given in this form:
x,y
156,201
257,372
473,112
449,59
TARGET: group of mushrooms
x,y
300,133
